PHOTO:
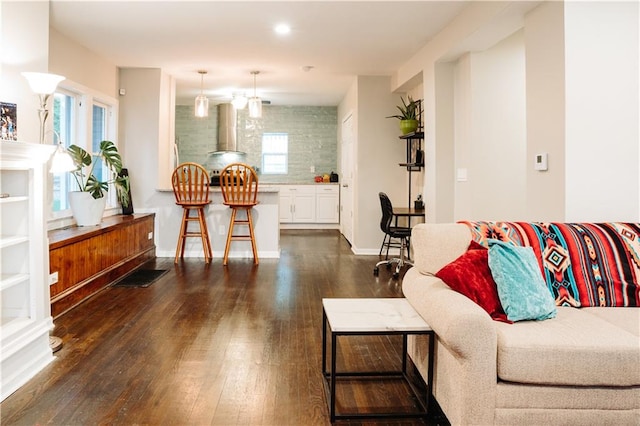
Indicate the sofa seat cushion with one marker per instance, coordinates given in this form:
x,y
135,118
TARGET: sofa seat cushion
x,y
626,318
576,348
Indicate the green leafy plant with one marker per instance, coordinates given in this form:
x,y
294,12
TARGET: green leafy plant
x,y
408,110
88,182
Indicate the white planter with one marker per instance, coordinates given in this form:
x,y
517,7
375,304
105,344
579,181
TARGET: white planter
x,y
87,211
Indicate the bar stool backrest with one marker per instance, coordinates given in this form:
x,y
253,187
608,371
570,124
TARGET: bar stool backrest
x,y
190,184
239,185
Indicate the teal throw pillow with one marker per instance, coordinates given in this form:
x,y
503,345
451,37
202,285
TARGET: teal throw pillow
x,y
523,293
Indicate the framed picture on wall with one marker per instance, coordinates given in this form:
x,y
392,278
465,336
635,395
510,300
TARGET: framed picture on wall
x,y
9,121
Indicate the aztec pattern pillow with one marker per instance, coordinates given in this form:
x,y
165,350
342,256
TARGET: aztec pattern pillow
x,y
584,264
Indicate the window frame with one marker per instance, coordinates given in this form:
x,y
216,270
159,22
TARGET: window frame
x,y
266,167
82,134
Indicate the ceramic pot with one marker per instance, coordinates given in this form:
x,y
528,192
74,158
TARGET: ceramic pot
x,y
87,211
408,126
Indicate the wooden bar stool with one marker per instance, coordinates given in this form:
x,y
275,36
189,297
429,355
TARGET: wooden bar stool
x,y
191,187
239,185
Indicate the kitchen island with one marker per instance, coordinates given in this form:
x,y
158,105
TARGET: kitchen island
x,y
265,218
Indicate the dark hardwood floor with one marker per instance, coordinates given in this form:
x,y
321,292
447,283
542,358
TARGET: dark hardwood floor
x,y
203,345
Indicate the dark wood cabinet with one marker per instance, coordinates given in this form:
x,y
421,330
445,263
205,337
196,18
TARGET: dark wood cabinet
x,y
87,259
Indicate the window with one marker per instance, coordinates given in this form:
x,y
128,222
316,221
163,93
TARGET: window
x,y
98,134
64,119
275,148
80,118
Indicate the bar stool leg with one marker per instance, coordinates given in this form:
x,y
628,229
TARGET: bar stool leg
x,y
252,236
182,236
204,235
232,222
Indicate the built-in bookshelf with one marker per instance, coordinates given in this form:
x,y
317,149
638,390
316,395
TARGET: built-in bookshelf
x,y
25,318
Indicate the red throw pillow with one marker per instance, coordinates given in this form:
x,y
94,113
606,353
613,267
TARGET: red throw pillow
x,y
470,275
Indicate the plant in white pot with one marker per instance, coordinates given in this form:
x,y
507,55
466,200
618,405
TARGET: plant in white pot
x,y
409,115
88,203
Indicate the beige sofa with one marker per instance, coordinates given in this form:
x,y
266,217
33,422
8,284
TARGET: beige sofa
x,y
581,367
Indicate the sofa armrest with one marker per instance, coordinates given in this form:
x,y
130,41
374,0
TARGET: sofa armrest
x,y
465,375
461,325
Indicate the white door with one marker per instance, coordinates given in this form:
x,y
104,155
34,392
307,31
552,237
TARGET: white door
x,y
346,180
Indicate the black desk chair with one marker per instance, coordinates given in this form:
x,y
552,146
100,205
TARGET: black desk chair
x,y
398,233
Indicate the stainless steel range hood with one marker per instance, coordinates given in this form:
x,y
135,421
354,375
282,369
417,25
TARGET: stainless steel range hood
x,y
227,131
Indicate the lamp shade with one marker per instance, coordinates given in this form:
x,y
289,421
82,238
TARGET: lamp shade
x,y
255,107
62,161
42,83
239,101
202,106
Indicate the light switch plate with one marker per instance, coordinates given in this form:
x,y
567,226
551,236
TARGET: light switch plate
x,y
541,162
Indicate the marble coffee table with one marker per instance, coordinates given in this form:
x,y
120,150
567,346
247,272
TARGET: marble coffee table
x,y
375,316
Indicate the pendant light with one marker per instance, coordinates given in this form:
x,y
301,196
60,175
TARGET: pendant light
x,y
202,102
255,103
239,101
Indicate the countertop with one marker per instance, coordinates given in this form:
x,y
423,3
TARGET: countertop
x,y
264,187
270,188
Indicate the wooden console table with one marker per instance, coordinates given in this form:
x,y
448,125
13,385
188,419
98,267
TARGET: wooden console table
x,y
88,259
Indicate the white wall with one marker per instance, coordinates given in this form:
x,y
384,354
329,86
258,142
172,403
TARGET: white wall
x,y
441,159
139,131
589,126
462,203
478,27
601,45
490,142
545,79
24,28
81,65
497,143
378,151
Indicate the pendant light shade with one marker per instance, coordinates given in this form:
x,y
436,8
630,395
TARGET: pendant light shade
x,y
239,101
255,107
255,103
202,102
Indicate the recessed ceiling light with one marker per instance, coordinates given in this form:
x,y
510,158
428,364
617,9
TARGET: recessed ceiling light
x,y
282,29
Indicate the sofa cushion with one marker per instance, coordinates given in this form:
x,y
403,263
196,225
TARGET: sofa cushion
x,y
584,264
576,348
469,274
625,318
522,291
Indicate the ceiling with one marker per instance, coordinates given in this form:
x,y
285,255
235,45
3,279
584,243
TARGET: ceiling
x,y
229,39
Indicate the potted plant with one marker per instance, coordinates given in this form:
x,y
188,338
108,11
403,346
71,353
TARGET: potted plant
x,y
409,115
88,203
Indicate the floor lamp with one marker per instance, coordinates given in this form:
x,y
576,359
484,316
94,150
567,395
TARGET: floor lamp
x,y
44,85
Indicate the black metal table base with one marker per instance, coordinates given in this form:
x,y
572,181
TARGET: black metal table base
x,y
331,376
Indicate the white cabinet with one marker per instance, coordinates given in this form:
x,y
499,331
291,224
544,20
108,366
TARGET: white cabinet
x,y
327,204
24,290
310,204
297,204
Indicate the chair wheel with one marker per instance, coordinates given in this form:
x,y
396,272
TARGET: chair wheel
x,y
389,266
375,271
395,275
